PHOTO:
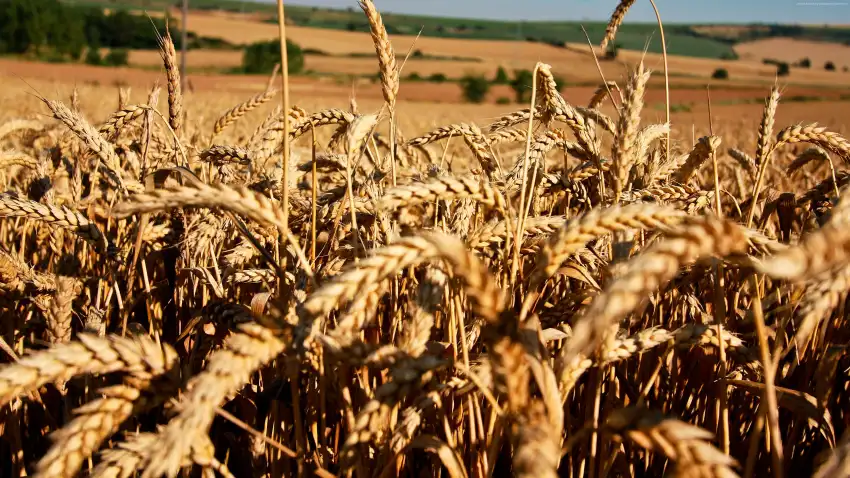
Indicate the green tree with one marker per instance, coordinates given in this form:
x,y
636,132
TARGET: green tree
x,y
501,77
116,57
521,84
720,74
829,66
261,57
438,78
475,88
93,56
782,69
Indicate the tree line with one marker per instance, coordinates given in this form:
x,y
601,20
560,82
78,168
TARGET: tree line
x,y
49,28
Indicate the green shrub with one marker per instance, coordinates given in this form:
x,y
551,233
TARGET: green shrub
x,y
782,69
805,63
475,88
93,57
116,57
261,57
503,100
680,108
438,78
501,77
829,66
521,84
414,77
720,74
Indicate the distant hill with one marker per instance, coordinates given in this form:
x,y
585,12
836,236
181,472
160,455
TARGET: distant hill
x,y
707,41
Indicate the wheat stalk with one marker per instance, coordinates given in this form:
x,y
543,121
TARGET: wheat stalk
x,y
614,23
62,217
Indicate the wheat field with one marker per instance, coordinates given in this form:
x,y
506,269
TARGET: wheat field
x,y
572,290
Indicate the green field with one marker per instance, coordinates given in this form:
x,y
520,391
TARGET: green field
x,y
681,39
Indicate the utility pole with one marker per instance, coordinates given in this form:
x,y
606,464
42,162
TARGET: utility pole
x,y
184,21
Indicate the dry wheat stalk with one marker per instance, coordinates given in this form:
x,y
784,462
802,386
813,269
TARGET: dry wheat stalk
x,y
576,233
391,259
445,188
97,420
705,147
12,126
745,161
221,155
650,271
112,127
838,462
251,346
614,23
513,119
624,150
384,52
686,445
809,155
87,134
17,158
15,274
138,356
234,114
601,92
55,216
58,316
820,251
817,135
494,234
172,73
507,136
765,133
241,201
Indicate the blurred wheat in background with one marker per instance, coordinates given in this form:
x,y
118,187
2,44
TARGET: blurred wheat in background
x,y
572,290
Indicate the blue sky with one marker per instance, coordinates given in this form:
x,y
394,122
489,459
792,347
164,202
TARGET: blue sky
x,y
686,11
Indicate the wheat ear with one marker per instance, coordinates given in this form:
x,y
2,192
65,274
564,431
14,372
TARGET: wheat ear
x,y
623,153
58,316
100,418
241,201
248,348
443,188
234,114
112,127
138,356
384,51
705,147
820,251
650,271
817,135
615,22
172,74
62,217
576,233
688,446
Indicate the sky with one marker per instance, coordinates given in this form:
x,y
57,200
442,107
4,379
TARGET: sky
x,y
672,11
